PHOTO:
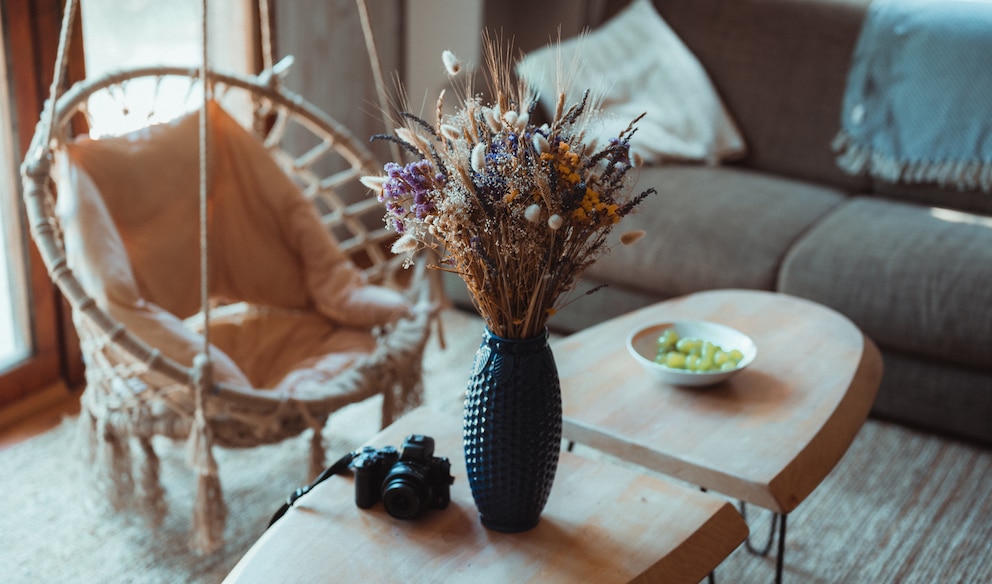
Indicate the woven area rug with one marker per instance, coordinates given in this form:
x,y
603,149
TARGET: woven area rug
x,y
902,506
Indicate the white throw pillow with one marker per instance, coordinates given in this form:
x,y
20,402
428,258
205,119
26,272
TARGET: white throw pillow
x,y
637,64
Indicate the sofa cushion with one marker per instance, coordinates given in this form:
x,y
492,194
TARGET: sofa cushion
x,y
915,279
712,228
936,396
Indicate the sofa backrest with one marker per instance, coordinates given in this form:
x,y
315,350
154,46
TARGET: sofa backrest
x,y
780,67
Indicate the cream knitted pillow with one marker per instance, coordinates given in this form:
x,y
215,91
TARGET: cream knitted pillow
x,y
636,63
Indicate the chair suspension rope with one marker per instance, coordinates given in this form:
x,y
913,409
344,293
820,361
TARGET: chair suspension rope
x,y
263,17
204,239
380,84
61,63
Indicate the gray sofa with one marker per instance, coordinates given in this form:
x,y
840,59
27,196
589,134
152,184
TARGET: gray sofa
x,y
912,266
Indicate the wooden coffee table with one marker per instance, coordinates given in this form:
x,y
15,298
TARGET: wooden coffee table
x,y
767,436
603,523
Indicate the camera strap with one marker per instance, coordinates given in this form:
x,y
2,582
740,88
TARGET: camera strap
x,y
336,468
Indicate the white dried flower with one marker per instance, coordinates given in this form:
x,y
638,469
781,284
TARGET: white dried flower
x,y
510,118
541,144
479,157
491,115
521,123
451,63
414,139
404,244
451,132
632,237
376,183
555,222
533,213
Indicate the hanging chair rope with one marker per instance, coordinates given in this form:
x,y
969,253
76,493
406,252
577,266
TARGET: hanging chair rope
x,y
204,176
209,509
61,63
266,25
380,84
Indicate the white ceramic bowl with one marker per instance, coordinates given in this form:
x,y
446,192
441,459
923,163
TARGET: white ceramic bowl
x,y
643,345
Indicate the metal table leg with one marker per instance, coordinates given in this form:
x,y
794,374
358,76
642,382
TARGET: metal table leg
x,y
779,520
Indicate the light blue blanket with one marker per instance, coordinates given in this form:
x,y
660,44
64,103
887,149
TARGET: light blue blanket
x,y
918,104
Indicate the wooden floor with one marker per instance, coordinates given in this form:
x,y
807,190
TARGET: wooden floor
x,y
37,414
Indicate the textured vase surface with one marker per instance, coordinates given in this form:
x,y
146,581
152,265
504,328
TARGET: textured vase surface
x,y
512,430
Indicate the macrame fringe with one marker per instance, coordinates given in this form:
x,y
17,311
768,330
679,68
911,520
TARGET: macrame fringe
x,y
86,433
113,465
856,159
209,516
209,510
317,453
153,501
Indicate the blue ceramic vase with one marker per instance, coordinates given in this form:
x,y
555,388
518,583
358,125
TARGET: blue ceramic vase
x,y
512,430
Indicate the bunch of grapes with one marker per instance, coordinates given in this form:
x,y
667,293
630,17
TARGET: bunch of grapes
x,y
694,354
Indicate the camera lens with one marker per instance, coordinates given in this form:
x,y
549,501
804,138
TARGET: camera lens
x,y
405,492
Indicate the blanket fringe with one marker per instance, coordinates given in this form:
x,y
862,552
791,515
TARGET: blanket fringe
x,y
859,160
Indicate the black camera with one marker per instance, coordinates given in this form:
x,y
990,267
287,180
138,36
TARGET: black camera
x,y
408,483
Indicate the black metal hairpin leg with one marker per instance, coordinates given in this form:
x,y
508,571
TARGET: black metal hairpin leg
x,y
779,520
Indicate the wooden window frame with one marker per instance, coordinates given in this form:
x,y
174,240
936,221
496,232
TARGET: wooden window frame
x,y
32,33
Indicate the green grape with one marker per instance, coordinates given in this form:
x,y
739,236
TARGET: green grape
x,y
685,345
668,339
674,360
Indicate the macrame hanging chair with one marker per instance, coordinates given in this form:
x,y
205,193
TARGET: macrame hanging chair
x,y
224,289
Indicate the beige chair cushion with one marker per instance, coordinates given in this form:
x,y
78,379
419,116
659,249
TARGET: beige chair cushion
x,y
131,220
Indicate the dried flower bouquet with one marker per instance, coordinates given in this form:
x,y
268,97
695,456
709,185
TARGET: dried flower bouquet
x,y
519,211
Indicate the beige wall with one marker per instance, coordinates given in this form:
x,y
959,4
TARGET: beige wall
x,y
432,27
331,68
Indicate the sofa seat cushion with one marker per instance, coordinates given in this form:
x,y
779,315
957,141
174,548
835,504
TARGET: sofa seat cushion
x,y
915,279
936,396
712,228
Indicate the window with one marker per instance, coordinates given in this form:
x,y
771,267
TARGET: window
x,y
123,34
15,332
30,322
